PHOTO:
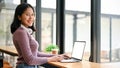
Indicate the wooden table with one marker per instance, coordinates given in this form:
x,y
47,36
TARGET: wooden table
x,y
86,64
9,50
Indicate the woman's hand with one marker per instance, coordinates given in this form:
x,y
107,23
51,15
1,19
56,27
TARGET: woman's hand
x,y
65,56
55,58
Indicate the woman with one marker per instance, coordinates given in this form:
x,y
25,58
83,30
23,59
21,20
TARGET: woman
x,y
22,28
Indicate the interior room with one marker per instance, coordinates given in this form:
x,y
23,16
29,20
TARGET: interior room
x,y
61,23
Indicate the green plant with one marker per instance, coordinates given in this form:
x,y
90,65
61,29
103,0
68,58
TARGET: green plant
x,y
50,47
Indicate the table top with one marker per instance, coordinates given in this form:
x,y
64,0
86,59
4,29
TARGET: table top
x,y
9,50
86,64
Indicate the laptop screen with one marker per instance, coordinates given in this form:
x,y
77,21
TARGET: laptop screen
x,y
78,49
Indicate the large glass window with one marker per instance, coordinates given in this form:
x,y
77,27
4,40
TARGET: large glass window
x,y
105,32
48,29
110,33
48,23
7,8
77,24
32,2
115,35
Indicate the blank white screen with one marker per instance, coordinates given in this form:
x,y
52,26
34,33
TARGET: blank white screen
x,y
78,49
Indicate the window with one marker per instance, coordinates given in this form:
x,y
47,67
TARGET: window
x,y
7,8
110,33
48,23
77,24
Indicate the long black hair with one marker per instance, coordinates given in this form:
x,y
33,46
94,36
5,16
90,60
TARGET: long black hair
x,y
18,12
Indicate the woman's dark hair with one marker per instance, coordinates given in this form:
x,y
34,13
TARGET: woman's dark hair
x,y
18,12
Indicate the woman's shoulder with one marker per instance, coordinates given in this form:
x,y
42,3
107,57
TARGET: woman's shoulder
x,y
20,30
20,33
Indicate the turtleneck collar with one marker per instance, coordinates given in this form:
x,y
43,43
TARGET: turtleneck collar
x,y
27,29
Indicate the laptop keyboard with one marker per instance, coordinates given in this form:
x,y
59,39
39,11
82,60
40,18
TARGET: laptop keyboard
x,y
69,60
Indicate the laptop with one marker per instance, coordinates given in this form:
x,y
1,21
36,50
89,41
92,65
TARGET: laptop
x,y
77,52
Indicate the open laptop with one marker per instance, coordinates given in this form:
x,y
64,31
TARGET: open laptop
x,y
77,52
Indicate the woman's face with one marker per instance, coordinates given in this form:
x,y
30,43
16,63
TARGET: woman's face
x,y
27,18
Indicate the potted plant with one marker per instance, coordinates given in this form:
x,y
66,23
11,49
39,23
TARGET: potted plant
x,y
52,48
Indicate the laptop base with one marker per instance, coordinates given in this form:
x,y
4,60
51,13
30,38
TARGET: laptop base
x,y
69,60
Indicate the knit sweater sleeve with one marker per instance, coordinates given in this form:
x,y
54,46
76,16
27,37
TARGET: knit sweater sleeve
x,y
21,39
41,54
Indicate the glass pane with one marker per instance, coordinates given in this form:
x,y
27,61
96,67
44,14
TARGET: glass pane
x,y
105,39
83,33
32,2
48,29
7,8
48,23
68,33
110,47
77,24
49,4
115,39
110,7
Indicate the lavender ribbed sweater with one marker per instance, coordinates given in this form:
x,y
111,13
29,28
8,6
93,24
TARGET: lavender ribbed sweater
x,y
27,48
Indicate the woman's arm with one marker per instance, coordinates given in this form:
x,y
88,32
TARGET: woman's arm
x,y
41,54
